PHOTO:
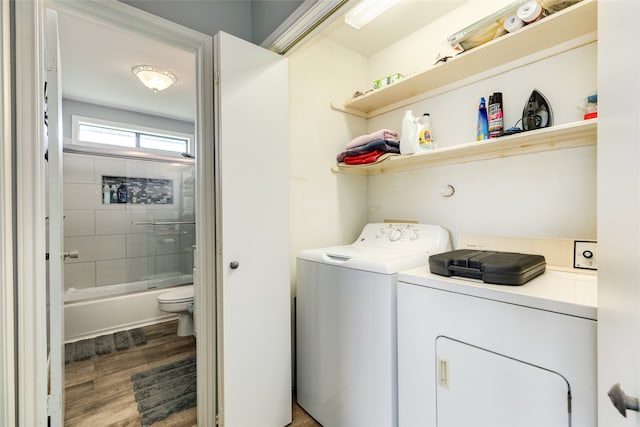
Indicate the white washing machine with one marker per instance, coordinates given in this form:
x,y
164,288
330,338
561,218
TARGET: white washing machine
x,y
473,354
346,323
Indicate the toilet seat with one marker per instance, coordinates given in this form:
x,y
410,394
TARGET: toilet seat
x,y
184,294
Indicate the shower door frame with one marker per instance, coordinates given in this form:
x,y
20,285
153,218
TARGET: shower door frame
x,y
30,230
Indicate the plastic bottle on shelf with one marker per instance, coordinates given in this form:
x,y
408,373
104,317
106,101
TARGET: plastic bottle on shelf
x,y
483,123
122,193
409,136
496,119
425,140
106,194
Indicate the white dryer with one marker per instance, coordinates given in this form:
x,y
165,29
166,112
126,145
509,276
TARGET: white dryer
x,y
346,323
474,354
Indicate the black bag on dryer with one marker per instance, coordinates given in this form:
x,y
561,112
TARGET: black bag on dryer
x,y
500,268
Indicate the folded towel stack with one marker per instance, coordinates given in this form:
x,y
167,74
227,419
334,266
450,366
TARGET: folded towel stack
x,y
371,148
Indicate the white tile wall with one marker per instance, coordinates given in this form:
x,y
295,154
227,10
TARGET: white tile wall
x,y
95,248
109,167
139,268
79,222
164,244
111,272
137,245
111,249
136,215
167,263
78,169
79,275
111,221
83,196
186,262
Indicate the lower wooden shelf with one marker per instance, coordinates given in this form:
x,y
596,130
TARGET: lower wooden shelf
x,y
569,135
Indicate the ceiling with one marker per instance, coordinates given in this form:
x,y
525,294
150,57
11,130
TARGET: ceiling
x,y
405,18
96,59
96,63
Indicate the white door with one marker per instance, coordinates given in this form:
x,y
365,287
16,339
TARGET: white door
x,y
55,222
618,207
252,171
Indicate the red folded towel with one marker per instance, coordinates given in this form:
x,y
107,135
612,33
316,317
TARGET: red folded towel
x,y
362,159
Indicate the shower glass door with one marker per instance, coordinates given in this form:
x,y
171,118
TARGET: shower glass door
x,y
132,222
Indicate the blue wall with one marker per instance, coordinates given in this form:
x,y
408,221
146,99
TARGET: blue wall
x,y
251,20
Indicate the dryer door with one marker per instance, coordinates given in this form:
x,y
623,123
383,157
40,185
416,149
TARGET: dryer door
x,y
477,387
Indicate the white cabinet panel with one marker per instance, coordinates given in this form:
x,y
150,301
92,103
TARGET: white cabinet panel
x,y
479,388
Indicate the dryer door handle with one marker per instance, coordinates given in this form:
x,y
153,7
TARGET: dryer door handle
x,y
621,401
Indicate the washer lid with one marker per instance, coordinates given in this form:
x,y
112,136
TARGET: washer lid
x,y
376,260
183,294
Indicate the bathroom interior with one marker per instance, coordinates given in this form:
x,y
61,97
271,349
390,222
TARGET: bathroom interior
x,y
129,217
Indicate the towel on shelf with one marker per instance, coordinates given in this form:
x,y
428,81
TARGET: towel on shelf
x,y
384,145
365,158
385,134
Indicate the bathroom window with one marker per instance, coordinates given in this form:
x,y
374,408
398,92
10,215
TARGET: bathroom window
x,y
90,131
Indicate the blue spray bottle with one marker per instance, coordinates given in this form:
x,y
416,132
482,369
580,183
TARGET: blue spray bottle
x,y
483,122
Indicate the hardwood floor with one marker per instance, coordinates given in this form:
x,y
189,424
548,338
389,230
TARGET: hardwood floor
x,y
99,391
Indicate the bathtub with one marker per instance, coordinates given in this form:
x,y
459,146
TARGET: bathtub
x,y
106,309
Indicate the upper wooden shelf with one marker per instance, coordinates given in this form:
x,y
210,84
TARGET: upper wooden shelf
x,y
572,27
576,134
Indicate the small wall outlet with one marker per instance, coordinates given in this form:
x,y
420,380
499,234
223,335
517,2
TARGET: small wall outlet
x,y
585,254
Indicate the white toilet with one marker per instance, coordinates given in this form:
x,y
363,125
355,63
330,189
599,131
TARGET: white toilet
x,y
179,301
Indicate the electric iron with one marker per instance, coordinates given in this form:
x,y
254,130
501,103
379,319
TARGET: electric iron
x,y
537,112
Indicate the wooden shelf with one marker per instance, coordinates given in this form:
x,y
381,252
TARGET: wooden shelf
x,y
572,27
576,134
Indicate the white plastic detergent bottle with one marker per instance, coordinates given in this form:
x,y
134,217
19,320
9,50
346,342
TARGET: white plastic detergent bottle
x,y
409,136
425,140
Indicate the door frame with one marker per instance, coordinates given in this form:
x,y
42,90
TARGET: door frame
x,y
7,335
30,229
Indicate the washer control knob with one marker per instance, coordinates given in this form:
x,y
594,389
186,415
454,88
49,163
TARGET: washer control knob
x,y
379,233
413,235
395,235
587,254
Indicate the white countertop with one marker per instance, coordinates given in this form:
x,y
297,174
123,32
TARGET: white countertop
x,y
562,292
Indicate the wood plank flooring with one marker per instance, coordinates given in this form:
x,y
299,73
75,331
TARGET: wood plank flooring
x,y
99,391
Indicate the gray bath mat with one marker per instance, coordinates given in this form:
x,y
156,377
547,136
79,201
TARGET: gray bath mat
x,y
165,390
104,344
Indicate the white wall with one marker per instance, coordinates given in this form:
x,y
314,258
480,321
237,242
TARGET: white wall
x,y
327,209
420,49
543,195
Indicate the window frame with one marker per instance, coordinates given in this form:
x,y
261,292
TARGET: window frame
x,y
77,120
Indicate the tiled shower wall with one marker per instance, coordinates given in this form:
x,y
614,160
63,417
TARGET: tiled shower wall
x,y
111,248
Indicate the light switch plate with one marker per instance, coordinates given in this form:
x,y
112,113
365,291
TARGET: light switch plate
x,y
585,254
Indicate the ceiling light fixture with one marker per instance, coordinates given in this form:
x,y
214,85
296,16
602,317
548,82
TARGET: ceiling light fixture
x,y
367,11
155,78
